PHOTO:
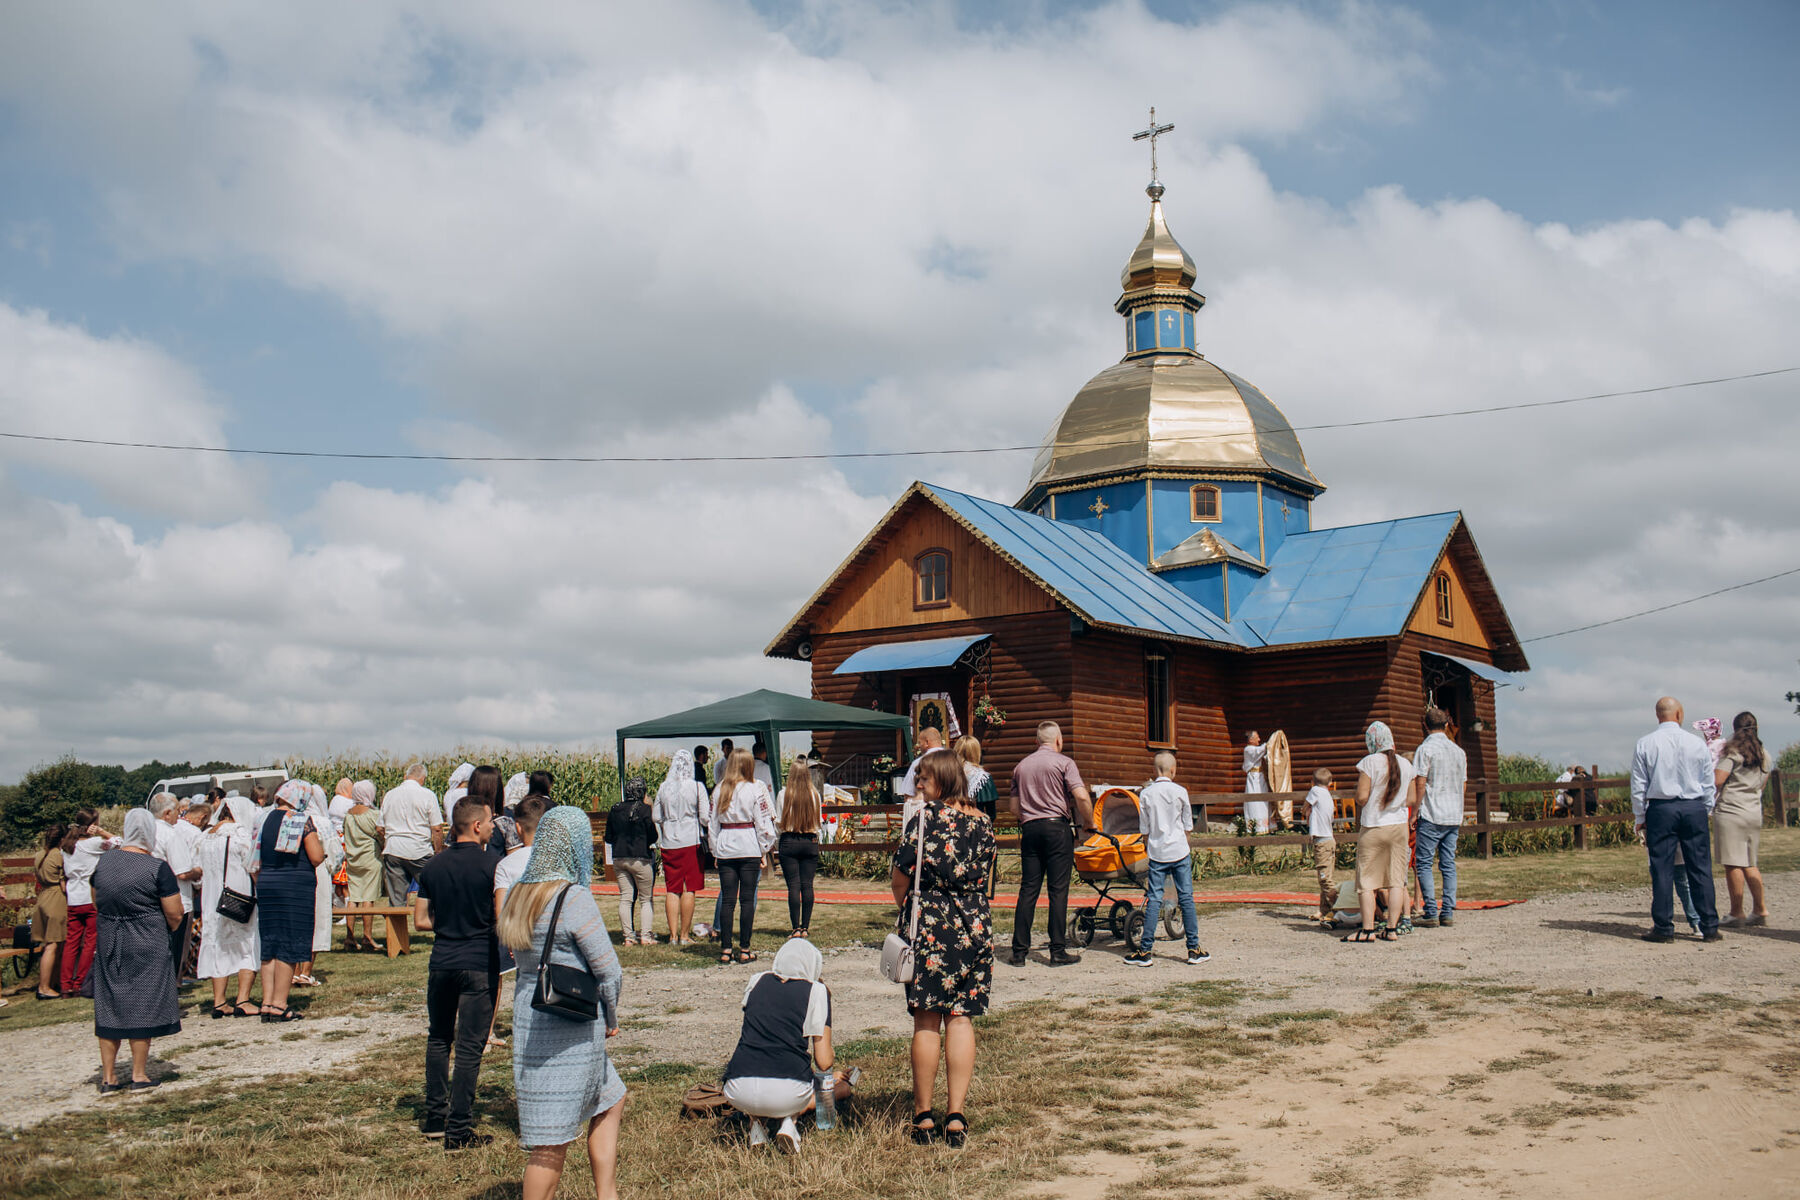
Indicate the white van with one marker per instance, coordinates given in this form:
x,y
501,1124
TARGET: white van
x,y
240,782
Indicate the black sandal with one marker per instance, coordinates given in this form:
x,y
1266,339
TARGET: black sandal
x,y
223,1010
725,958
238,1010
744,956
1360,936
954,1138
921,1132
282,1017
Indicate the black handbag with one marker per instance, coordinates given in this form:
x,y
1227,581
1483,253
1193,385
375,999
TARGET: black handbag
x,y
233,904
568,992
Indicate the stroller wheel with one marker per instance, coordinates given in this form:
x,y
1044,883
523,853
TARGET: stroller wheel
x,y
1117,918
1084,927
1171,919
1134,929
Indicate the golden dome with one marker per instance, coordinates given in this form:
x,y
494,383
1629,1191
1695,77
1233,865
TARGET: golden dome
x,y
1169,412
1159,261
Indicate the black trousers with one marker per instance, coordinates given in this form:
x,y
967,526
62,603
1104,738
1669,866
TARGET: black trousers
x,y
799,854
737,887
1671,823
179,937
1046,849
459,1006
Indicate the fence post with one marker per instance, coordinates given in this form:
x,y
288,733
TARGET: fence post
x,y
1578,808
1484,840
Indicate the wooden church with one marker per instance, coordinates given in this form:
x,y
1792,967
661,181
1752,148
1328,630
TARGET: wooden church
x,y
1160,585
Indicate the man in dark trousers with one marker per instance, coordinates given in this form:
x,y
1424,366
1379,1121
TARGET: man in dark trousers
x,y
456,901
1672,795
1047,794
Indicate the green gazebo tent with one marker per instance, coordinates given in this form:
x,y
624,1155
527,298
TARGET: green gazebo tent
x,y
763,714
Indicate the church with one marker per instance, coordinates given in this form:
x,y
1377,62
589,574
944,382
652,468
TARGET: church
x,y
1159,585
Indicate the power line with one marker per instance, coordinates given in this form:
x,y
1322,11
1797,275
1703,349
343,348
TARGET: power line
x,y
1665,607
378,456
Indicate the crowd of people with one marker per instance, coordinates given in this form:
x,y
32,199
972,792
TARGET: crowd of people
x,y
502,878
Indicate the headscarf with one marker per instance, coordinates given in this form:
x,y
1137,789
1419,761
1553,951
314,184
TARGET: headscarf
x,y
364,792
516,789
563,848
140,829
681,775
297,795
460,776
1379,738
329,840
798,959
343,787
239,811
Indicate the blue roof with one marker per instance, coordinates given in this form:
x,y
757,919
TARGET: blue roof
x,y
1105,585
1361,581
908,656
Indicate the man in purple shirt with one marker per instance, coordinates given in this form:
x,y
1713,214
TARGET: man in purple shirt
x,y
1047,794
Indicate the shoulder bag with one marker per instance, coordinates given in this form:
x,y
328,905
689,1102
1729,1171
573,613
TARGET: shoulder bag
x,y
568,992
233,904
897,951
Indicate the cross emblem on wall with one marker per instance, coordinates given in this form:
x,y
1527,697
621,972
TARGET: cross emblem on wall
x,y
1099,505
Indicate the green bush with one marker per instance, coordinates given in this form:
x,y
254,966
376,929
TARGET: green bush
x,y
53,792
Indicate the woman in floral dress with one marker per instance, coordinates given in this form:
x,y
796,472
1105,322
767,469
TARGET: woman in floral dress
x,y
953,958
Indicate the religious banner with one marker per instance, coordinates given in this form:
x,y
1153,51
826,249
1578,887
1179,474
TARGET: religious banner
x,y
933,710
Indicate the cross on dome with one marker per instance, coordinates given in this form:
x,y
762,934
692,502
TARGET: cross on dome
x,y
1152,132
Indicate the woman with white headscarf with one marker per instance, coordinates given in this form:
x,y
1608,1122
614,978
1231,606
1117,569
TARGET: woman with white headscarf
x,y
458,787
563,1080
679,811
134,984
1384,788
288,851
362,860
333,845
784,1048
229,947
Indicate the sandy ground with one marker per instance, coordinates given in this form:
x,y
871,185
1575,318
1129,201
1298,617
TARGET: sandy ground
x,y
1710,1105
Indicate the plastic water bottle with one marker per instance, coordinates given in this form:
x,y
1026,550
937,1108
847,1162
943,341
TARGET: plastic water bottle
x,y
825,1107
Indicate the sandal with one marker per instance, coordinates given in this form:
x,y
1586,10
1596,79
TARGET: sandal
x,y
921,1132
744,956
725,958
223,1010
954,1138
1361,935
238,1010
281,1016
1384,934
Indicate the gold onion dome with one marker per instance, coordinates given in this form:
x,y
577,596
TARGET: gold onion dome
x,y
1164,409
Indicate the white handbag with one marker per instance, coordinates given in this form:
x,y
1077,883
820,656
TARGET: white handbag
x,y
897,951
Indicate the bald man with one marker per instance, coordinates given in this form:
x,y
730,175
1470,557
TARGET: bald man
x,y
1672,796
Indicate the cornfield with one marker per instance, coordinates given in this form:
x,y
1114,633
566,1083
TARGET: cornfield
x,y
584,778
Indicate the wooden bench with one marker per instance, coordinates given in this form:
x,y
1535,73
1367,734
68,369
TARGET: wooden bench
x,y
399,927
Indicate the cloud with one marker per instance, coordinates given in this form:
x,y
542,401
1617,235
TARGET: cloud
x,y
683,230
57,379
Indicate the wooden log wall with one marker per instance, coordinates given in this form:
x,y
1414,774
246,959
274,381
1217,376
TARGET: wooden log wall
x,y
1108,735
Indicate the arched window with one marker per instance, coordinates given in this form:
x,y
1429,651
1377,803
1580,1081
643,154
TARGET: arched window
x,y
1446,614
933,571
1203,502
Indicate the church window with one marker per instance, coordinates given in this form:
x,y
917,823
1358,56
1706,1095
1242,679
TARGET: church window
x,y
1159,699
933,571
1446,614
1203,500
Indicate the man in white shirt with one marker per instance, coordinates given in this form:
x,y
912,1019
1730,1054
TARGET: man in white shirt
x,y
1444,767
178,852
929,739
414,828
1167,817
760,750
1672,795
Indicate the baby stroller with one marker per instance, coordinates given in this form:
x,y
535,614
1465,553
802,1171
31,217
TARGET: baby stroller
x,y
1112,860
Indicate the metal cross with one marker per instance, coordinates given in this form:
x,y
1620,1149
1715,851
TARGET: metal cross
x,y
1153,131
1099,506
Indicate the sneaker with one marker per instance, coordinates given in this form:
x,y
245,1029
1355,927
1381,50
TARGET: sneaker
x,y
1714,936
433,1127
1655,936
468,1141
1426,923
1062,958
788,1136
1405,925
1446,921
1138,958
1017,958
759,1133
1196,956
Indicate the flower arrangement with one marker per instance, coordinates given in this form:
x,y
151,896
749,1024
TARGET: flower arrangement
x,y
989,713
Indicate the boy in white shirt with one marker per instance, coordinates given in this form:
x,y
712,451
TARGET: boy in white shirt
x,y
1167,816
1320,809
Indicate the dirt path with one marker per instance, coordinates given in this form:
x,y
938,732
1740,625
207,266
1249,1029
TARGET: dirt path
x,y
1572,943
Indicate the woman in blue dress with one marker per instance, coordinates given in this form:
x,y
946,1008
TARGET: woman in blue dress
x,y
563,1080
288,849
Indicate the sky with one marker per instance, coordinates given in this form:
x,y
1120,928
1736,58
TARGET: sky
x,y
834,225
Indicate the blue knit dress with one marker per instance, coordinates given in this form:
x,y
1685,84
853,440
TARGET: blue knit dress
x,y
562,1076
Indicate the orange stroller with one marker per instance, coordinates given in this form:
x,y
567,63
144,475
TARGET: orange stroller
x,y
1114,859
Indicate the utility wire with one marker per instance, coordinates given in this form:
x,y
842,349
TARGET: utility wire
x,y
1544,637
845,454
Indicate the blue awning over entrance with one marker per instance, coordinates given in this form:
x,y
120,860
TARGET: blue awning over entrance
x,y
908,656
1486,671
